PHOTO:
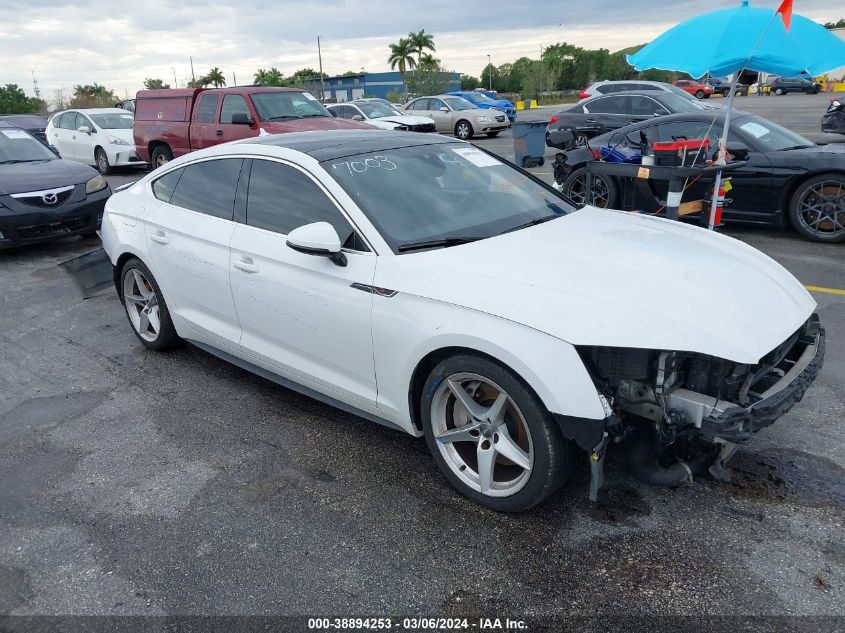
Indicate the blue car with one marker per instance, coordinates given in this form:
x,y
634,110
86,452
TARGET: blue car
x,y
481,100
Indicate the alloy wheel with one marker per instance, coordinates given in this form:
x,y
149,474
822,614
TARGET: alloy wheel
x,y
821,208
142,305
482,435
161,159
577,191
102,161
463,131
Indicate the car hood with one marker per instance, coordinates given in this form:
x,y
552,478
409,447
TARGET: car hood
x,y
406,119
37,176
815,150
610,278
312,124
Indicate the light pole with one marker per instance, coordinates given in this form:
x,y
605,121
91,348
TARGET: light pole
x,y
193,77
175,82
490,72
320,60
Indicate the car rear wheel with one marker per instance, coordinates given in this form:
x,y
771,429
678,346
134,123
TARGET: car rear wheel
x,y
145,307
491,436
699,94
161,155
102,160
779,91
463,130
726,92
604,189
817,208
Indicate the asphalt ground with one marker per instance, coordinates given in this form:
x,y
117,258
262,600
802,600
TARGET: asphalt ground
x,y
142,484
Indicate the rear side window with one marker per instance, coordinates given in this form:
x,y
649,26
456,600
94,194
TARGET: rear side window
x,y
232,104
163,187
68,121
282,198
608,105
209,187
207,108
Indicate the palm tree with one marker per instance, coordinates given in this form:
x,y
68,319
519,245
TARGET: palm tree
x,y
427,60
215,77
420,43
260,77
401,56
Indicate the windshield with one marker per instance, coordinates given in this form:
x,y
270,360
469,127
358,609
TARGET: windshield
x,y
675,104
278,106
20,146
770,137
376,110
442,192
482,98
458,103
113,121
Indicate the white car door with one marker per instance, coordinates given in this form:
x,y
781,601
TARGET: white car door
x,y
301,315
188,240
82,144
59,135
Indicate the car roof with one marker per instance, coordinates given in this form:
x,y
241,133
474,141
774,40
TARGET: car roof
x,y
333,144
22,119
626,93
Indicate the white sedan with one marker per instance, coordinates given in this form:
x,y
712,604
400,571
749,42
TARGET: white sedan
x,y
381,115
423,283
101,137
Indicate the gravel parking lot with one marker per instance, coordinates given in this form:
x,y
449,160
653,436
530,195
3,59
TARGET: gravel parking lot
x,y
136,483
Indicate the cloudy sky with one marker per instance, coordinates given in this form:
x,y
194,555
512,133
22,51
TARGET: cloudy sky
x,y
118,44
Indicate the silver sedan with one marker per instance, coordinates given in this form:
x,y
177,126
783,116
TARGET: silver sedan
x,y
454,115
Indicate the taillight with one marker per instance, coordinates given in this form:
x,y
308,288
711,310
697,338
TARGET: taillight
x,y
554,119
584,94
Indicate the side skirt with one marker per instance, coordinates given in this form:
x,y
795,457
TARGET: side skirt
x,y
294,386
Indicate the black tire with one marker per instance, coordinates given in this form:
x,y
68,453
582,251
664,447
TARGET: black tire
x,y
160,156
102,161
699,94
780,91
166,338
463,130
492,134
553,456
811,193
605,190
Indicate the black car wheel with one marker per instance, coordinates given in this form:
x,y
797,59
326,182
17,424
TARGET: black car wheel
x,y
817,209
604,189
726,92
102,161
699,94
161,155
463,130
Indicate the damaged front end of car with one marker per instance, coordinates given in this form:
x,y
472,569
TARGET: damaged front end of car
x,y
684,413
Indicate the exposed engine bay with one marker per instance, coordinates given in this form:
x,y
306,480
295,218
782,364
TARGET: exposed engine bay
x,y
684,413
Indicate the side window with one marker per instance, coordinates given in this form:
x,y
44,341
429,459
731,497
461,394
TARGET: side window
x,y
435,104
606,105
209,187
207,108
419,104
643,87
163,187
57,121
345,112
68,121
232,104
282,198
692,129
81,120
644,106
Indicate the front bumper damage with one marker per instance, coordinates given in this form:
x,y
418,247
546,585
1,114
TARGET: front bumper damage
x,y
678,409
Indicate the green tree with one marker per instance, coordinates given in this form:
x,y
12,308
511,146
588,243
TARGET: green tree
x,y
13,100
155,84
92,96
394,97
401,57
272,77
215,77
835,25
428,80
306,74
428,61
351,73
489,76
468,82
420,42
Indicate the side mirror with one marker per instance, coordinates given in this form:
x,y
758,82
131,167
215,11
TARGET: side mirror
x,y
444,109
317,238
357,117
83,129
242,118
738,150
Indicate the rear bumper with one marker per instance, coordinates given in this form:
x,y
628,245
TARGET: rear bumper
x,y
20,227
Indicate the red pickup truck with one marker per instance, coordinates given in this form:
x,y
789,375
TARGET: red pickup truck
x,y
169,123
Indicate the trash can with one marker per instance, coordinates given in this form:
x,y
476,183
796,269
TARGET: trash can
x,y
529,143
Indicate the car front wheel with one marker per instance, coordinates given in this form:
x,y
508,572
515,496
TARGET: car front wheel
x,y
817,208
603,194
491,435
463,130
145,307
102,160
699,94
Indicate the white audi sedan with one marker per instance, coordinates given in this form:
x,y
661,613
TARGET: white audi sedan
x,y
427,285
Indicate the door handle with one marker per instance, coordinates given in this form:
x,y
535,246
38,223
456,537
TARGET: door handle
x,y
159,237
219,132
74,137
246,264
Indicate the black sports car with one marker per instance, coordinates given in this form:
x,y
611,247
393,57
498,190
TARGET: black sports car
x,y
604,113
43,197
786,176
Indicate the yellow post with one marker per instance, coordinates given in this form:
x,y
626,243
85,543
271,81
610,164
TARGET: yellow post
x,y
533,103
520,105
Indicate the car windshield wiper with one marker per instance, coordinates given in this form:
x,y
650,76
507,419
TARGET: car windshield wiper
x,y
786,149
441,243
283,117
533,222
23,160
308,116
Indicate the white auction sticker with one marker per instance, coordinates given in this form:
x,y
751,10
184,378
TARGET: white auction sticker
x,y
15,133
476,157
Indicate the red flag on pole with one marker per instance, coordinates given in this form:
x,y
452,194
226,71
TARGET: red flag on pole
x,y
785,10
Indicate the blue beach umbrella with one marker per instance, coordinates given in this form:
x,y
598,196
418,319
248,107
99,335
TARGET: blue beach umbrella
x,y
727,41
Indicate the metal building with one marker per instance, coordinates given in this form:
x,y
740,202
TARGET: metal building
x,y
349,87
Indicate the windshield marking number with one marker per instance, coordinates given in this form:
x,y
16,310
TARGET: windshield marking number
x,y
360,166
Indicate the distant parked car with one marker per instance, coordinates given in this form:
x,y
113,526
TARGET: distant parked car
x,y
126,104
785,85
456,115
381,116
834,118
695,88
481,100
722,86
101,137
608,87
43,197
605,113
32,123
